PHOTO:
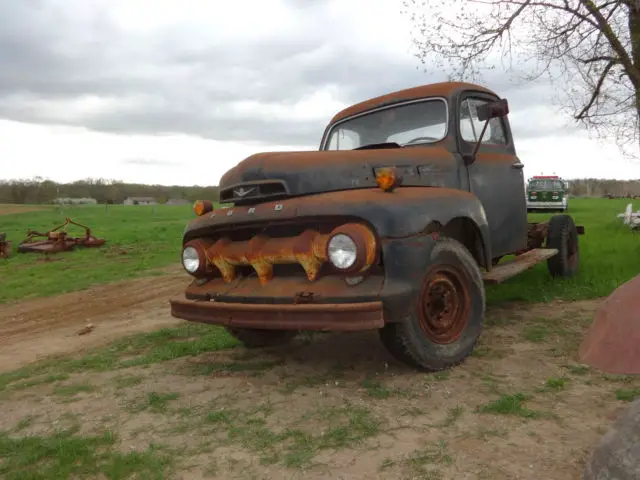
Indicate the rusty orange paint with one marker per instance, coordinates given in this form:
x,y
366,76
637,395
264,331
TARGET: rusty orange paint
x,y
309,250
201,245
442,89
365,242
58,239
344,317
486,157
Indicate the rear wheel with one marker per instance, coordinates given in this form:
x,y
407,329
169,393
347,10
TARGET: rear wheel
x,y
446,319
255,338
563,236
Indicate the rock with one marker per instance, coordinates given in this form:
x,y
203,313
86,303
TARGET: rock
x,y
617,456
88,328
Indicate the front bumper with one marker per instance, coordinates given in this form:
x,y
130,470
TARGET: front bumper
x,y
546,205
284,303
327,316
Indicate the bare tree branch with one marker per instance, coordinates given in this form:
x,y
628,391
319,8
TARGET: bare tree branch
x,y
596,90
589,48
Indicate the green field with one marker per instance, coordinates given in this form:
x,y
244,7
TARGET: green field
x,y
143,239
140,240
609,256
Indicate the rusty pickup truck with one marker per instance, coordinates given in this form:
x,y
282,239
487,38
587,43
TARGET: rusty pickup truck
x,y
412,203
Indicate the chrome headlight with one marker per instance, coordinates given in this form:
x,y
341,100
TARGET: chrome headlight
x,y
342,251
190,259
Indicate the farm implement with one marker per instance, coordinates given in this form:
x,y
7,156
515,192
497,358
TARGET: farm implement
x,y
58,240
5,246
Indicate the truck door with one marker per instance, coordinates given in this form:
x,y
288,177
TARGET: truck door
x,y
496,175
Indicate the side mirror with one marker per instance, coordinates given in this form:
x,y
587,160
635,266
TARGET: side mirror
x,y
499,108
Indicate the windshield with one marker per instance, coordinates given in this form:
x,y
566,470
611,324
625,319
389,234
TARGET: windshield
x,y
415,123
546,184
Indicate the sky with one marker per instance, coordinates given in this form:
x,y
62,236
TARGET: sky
x,y
178,92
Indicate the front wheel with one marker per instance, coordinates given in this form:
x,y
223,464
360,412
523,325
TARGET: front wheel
x,y
446,319
255,338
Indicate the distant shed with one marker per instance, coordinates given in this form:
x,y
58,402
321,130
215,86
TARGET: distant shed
x,y
139,201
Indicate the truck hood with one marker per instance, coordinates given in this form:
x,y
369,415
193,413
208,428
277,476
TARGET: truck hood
x,y
267,176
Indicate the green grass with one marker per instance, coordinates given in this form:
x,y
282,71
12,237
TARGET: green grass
x,y
150,236
137,350
67,455
627,395
344,427
605,250
510,405
555,384
155,402
72,389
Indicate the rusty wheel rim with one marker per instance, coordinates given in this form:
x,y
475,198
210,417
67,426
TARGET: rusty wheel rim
x,y
445,304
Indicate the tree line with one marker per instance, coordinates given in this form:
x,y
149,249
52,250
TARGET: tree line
x,y
41,191
595,187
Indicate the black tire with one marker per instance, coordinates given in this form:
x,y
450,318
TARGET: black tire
x,y
255,338
424,341
563,235
391,342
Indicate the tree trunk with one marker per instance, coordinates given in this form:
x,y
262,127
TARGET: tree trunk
x,y
634,34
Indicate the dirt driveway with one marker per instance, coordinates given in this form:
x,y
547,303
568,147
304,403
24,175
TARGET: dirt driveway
x,y
328,406
34,329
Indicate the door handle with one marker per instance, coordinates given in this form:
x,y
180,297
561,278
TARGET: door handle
x,y
517,165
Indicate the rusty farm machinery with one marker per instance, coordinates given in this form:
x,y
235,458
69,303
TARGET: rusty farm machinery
x,y
5,246
58,240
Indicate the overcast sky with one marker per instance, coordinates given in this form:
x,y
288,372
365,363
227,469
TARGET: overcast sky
x,y
177,92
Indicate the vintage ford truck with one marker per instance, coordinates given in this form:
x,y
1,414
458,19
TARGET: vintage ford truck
x,y
395,224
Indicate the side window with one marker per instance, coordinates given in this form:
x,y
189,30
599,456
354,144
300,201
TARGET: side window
x,y
343,139
471,126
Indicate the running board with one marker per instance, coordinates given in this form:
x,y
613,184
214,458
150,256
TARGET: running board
x,y
523,262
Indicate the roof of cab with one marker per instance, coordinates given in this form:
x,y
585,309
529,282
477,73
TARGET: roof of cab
x,y
442,89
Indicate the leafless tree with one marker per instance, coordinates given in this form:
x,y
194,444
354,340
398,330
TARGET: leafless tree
x,y
589,49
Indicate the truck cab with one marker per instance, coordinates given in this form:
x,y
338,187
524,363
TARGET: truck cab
x,y
394,224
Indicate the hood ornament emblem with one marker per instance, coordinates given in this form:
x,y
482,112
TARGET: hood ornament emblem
x,y
242,192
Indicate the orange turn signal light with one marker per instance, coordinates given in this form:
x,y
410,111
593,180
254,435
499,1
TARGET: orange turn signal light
x,y
200,207
386,179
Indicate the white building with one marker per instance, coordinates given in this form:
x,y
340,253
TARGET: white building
x,y
75,201
139,201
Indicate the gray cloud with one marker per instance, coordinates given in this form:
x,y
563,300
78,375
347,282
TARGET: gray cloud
x,y
149,162
58,66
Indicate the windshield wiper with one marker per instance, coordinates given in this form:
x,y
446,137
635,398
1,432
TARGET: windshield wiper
x,y
372,146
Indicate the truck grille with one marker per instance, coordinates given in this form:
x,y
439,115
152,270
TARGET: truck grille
x,y
251,192
290,249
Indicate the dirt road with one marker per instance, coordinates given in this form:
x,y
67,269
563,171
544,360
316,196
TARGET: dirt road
x,y
34,329
332,406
